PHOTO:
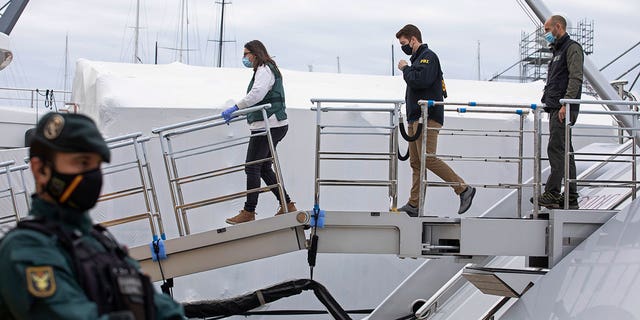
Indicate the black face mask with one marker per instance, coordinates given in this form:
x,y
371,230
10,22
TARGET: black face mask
x,y
407,49
78,191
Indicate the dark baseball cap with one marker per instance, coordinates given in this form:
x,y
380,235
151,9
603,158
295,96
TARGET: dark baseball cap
x,y
70,132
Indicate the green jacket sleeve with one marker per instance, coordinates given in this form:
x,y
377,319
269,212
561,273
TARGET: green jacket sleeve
x,y
167,308
19,253
575,62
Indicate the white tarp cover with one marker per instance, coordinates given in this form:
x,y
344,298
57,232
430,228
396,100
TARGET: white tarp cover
x,y
102,89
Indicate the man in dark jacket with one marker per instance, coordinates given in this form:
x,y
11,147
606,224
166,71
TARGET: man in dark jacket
x,y
425,82
564,81
56,265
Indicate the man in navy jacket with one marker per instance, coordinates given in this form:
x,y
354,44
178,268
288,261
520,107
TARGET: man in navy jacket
x,y
425,82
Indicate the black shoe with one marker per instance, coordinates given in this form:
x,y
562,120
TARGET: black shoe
x,y
549,200
466,197
410,210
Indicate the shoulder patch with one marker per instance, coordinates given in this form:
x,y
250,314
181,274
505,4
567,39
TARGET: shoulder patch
x,y
425,61
40,281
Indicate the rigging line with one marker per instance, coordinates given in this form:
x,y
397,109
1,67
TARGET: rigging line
x,y
627,72
186,8
124,32
528,13
634,82
503,72
620,56
177,31
4,6
197,39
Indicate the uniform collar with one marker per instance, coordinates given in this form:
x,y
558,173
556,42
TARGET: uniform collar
x,y
559,42
41,209
421,48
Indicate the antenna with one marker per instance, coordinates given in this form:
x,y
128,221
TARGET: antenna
x,y
393,62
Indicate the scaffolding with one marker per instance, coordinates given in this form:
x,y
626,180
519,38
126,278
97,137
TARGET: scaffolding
x,y
535,53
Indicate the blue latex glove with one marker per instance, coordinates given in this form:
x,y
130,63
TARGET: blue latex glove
x,y
227,114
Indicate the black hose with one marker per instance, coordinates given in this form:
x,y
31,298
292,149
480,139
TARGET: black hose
x,y
242,304
403,157
407,136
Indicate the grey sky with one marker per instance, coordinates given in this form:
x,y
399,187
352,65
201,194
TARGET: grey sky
x,y
304,32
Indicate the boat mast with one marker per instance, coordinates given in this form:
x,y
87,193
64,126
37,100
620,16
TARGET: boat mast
x,y
66,62
137,32
220,42
478,60
182,9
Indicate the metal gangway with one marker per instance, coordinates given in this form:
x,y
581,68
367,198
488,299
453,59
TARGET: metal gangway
x,y
177,156
335,127
424,236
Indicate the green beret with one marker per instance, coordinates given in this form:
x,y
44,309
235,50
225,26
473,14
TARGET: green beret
x,y
70,132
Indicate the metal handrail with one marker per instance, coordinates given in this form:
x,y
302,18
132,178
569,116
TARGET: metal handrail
x,y
607,102
189,123
374,130
531,106
430,307
177,180
34,99
366,101
522,110
12,191
635,115
144,186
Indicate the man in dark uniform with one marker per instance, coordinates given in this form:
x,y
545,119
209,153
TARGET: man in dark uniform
x,y
57,265
425,82
564,81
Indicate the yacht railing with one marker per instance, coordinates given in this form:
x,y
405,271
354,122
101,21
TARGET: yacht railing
x,y
390,131
13,190
519,110
140,167
621,128
32,98
172,154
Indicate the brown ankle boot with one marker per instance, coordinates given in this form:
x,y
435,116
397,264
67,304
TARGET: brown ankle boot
x,y
291,207
243,216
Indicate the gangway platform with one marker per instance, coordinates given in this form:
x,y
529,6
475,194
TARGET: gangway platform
x,y
467,239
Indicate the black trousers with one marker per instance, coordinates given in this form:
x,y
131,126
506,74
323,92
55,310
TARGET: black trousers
x,y
555,151
259,149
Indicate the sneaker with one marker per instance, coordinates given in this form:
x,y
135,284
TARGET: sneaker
x,y
549,200
410,210
466,197
243,216
291,207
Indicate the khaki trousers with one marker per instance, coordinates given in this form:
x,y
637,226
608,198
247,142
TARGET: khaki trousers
x,y
435,165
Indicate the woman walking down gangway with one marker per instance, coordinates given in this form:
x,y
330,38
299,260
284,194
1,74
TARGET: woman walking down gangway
x,y
265,87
